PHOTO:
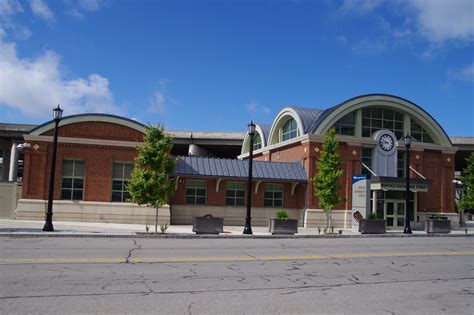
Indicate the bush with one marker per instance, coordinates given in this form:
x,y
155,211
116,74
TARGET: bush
x,y
372,216
283,215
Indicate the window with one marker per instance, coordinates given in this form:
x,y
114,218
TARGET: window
x,y
346,125
375,118
121,174
367,160
257,141
235,194
419,134
72,182
273,195
401,163
289,130
196,191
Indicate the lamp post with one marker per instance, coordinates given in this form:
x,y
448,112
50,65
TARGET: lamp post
x,y
248,218
48,225
407,141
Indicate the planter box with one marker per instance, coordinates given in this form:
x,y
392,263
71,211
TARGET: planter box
x,y
208,225
438,226
278,226
376,226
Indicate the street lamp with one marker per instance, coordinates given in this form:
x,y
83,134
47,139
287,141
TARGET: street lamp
x,y
248,218
407,141
48,225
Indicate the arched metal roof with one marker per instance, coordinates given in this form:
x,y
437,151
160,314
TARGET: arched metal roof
x,y
88,118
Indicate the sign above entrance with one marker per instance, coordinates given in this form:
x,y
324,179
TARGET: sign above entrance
x,y
392,183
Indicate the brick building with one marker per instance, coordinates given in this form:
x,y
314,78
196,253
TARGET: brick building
x,y
96,152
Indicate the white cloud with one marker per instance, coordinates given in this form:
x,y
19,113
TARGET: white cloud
x,y
254,107
441,20
463,74
33,86
157,103
360,6
9,8
91,5
41,10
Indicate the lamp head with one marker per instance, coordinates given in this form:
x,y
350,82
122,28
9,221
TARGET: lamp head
x,y
251,128
57,112
407,141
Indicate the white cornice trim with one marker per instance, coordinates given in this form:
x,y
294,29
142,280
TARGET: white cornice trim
x,y
114,143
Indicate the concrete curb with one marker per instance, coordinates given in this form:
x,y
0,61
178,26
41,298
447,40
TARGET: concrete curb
x,y
204,236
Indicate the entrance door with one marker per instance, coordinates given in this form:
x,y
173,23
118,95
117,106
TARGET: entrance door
x,y
395,213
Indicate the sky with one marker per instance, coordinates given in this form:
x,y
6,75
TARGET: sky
x,y
214,65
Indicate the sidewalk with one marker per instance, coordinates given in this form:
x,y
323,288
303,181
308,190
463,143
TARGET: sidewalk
x,y
19,228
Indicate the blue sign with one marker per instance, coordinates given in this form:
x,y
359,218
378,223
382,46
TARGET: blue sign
x,y
357,178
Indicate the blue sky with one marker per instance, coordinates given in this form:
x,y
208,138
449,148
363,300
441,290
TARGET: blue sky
x,y
215,65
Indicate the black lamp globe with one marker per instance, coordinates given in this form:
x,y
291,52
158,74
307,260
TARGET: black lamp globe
x,y
57,113
251,128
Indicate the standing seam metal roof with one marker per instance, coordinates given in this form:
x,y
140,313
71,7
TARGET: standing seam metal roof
x,y
231,168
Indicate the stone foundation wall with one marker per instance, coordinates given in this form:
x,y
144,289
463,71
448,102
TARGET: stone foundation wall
x,y
340,219
90,211
183,214
10,192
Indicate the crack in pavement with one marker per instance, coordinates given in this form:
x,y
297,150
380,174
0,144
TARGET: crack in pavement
x,y
130,252
300,288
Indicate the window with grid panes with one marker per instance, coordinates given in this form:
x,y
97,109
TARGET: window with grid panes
x,y
273,195
235,194
419,134
289,130
196,191
367,160
72,180
401,155
257,141
346,125
121,174
375,118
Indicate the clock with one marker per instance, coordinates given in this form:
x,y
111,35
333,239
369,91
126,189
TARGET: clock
x,y
386,142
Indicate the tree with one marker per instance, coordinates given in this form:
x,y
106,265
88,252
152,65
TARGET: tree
x,y
325,184
467,202
150,183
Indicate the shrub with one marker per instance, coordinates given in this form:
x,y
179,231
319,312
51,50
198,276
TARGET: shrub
x,y
283,215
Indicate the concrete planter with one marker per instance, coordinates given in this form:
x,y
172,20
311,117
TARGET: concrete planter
x,y
438,226
208,225
289,226
376,226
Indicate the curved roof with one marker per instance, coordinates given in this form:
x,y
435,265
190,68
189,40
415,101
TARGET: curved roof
x,y
88,118
318,121
263,131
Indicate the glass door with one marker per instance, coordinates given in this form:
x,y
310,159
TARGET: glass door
x,y
395,214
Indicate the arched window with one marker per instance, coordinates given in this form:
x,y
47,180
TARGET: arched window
x,y
419,133
257,141
346,125
289,130
375,118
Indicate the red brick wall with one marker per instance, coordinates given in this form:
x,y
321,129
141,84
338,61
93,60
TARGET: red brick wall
x,y
98,169
218,198
98,130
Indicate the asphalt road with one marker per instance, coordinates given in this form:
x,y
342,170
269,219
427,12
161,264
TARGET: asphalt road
x,y
237,276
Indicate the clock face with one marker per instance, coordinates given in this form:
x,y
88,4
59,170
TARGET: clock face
x,y
386,142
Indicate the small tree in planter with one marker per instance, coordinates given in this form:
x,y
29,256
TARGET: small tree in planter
x,y
467,202
282,224
150,183
325,184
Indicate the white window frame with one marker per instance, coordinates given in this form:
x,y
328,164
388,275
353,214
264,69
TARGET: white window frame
x,y
195,196
273,191
234,197
73,178
124,190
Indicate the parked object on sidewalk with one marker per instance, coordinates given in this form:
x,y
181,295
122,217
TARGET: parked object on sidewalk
x,y
438,224
372,225
208,224
282,224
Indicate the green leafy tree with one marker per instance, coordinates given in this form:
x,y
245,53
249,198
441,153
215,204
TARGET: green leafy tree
x,y
150,182
325,182
467,202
